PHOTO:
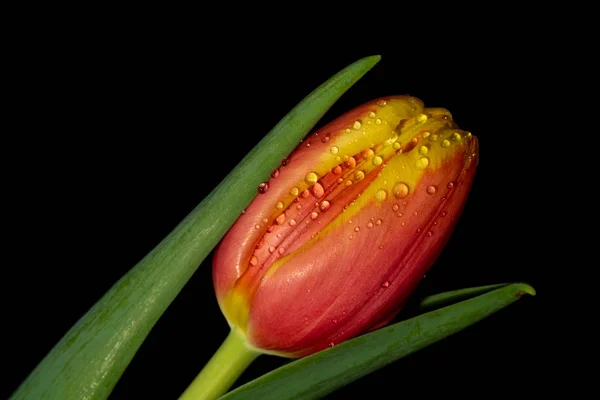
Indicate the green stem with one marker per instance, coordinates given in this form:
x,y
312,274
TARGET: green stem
x,y
222,370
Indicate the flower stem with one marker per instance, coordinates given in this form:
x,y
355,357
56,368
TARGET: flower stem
x,y
222,370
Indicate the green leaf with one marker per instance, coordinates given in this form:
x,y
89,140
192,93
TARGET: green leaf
x,y
317,375
447,298
89,360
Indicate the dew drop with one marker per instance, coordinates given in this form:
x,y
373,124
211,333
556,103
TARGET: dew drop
x,y
371,114
422,163
359,176
279,235
433,137
305,194
399,215
456,136
378,222
357,124
429,233
348,182
378,121
357,229
263,188
337,170
370,225
324,206
443,214
298,207
395,207
285,162
325,139
253,261
350,162
334,320
334,150
314,215
400,190
270,229
279,205
385,284
423,150
331,344
422,118
382,103
256,226
416,213
281,250
445,143
275,173
351,237
450,185
317,190
271,249
431,189
294,192
265,221
311,178
381,195
426,135
292,222
396,146
280,219
377,160
368,153
380,247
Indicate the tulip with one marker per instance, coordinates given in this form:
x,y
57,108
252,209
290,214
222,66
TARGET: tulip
x,y
344,230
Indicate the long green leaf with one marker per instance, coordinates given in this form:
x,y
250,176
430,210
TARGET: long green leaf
x,y
447,298
89,360
317,375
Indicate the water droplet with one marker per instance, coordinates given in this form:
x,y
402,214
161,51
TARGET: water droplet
x,y
429,233
351,237
324,206
368,153
399,215
443,214
382,103
271,249
279,235
317,190
260,243
400,190
456,136
306,318
422,163
423,150
377,161
370,225
357,229
311,178
308,144
263,188
350,162
357,124
371,114
381,195
298,207
348,182
426,135
337,170
450,185
385,284
378,222
416,213
422,118
431,189
256,226
433,138
334,320
380,247
378,121
445,143
281,250
279,205
280,219
419,230
265,221
275,173
359,176
305,194
253,261
270,229
331,344
314,215
292,222
468,135
396,146
395,207
294,192
325,139
285,162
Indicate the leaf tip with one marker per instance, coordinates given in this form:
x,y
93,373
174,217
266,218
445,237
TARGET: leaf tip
x,y
524,289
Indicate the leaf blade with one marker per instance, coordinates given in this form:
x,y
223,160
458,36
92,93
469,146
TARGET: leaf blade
x,y
317,375
91,357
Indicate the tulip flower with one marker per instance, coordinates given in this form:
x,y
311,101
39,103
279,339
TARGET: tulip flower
x,y
343,232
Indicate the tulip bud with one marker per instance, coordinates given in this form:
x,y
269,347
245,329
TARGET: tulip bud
x,y
343,232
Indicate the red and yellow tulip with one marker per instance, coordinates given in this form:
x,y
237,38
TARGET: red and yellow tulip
x,y
343,232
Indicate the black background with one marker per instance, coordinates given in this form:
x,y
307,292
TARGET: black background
x,y
110,152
